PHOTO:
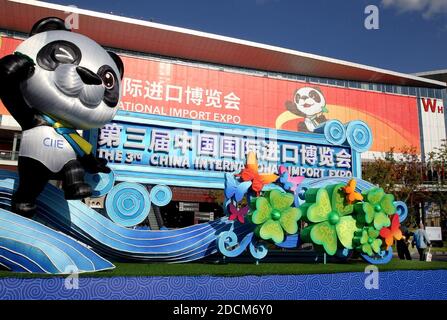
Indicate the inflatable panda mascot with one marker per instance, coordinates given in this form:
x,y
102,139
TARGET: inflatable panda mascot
x,y
55,83
310,104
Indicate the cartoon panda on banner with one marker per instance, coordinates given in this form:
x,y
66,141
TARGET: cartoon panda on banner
x,y
310,104
55,83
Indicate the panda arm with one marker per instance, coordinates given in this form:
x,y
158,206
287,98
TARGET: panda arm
x,y
290,106
14,69
321,118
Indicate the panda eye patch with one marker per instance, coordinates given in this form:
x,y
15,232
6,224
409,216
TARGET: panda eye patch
x,y
315,96
64,55
111,83
58,52
297,98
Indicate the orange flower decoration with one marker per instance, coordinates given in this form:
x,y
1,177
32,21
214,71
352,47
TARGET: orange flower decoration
x,y
393,232
251,173
352,195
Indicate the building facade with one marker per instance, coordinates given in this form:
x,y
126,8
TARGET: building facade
x,y
216,84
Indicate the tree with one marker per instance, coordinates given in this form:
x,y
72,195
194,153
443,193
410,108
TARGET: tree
x,y
436,161
402,174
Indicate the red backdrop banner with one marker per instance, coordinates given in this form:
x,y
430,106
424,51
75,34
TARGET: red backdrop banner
x,y
210,93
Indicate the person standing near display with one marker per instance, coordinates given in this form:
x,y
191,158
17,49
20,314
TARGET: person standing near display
x,y
420,239
402,244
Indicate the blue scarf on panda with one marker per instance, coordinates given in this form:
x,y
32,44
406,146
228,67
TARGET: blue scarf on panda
x,y
79,144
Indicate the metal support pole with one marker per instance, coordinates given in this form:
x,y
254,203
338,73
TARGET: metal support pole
x,y
14,146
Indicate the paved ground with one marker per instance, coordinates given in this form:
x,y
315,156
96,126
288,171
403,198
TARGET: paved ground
x,y
436,256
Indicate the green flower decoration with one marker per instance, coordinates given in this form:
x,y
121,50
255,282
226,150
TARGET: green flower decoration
x,y
366,241
377,207
274,216
329,217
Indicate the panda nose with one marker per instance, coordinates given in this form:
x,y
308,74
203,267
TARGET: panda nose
x,y
88,77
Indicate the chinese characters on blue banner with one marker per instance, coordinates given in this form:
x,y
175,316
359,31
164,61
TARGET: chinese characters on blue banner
x,y
195,149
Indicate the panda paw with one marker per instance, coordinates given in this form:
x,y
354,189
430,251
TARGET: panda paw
x,y
24,209
92,164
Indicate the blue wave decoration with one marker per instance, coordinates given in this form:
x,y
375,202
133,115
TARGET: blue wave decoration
x,y
28,246
75,218
334,131
384,257
359,135
32,246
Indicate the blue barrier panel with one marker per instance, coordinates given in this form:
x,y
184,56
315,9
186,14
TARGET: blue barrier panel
x,y
28,246
392,285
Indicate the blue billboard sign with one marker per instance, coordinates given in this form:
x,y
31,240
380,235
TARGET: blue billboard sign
x,y
182,152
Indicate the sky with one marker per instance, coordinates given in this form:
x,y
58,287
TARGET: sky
x,y
411,37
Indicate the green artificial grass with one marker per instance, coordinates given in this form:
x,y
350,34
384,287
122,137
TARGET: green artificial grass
x,y
242,269
440,249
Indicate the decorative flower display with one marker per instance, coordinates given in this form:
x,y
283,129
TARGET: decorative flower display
x,y
238,214
329,217
394,232
338,216
376,209
251,173
352,195
274,215
366,241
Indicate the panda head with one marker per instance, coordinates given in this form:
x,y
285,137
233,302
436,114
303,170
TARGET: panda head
x,y
75,81
309,101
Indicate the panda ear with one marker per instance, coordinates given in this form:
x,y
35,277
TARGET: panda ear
x,y
118,62
48,24
317,89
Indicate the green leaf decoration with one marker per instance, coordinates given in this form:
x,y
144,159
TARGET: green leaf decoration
x,y
272,230
262,212
381,220
330,219
364,238
368,210
376,209
374,196
338,197
289,218
325,234
373,233
366,248
345,231
368,242
387,204
280,200
320,210
376,245
311,195
275,216
305,234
